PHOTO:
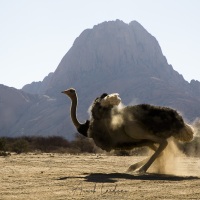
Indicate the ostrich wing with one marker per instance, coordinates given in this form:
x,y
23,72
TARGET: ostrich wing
x,y
156,119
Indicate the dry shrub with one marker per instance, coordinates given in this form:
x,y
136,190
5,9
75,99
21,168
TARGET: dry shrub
x,y
122,153
20,146
83,145
49,144
2,144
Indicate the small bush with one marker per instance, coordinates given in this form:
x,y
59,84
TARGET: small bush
x,y
83,144
20,146
122,153
4,154
49,144
2,144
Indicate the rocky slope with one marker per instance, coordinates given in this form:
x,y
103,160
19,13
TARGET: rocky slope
x,y
38,87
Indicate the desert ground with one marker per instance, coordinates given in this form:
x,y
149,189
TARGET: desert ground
x,y
100,176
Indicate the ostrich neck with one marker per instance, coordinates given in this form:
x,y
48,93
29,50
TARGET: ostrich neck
x,y
73,112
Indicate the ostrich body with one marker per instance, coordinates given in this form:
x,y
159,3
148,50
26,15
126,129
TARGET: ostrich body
x,y
115,127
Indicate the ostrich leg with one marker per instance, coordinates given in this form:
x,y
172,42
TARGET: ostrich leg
x,y
139,164
162,146
137,132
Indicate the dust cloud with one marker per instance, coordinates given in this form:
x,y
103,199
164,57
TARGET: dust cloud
x,y
117,118
169,161
173,161
196,126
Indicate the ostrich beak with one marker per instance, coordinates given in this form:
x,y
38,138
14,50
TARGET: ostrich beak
x,y
63,92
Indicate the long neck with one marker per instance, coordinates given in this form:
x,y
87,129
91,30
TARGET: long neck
x,y
73,112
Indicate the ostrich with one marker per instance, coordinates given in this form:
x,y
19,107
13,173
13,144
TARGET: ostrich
x,y
115,127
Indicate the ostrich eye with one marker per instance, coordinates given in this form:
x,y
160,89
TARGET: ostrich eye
x,y
71,91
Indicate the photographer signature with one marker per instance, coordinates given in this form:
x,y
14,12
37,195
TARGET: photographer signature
x,y
101,189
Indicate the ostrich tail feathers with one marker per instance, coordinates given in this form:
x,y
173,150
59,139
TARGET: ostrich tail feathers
x,y
185,134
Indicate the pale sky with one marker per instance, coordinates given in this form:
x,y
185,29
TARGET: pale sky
x,y
36,34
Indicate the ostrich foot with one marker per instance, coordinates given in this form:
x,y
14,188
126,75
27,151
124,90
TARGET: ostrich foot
x,y
142,170
137,165
132,168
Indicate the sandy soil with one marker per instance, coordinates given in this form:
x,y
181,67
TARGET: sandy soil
x,y
63,176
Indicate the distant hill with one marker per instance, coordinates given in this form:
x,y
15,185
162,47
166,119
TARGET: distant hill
x,y
111,57
13,104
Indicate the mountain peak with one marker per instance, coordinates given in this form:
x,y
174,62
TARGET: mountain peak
x,y
135,24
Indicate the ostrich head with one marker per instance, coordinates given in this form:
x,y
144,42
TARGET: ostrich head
x,y
71,93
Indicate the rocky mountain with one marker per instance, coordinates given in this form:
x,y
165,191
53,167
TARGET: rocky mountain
x,y
111,57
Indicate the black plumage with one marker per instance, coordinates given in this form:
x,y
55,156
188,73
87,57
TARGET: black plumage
x,y
156,119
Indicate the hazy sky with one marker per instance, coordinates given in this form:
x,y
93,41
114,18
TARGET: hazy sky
x,y
36,34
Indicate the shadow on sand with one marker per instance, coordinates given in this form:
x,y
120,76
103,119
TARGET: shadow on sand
x,y
114,177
